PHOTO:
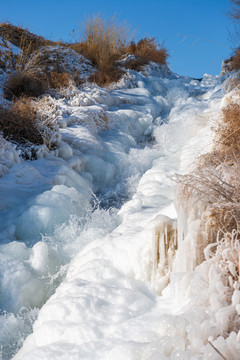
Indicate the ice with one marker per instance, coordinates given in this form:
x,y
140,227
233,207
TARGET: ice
x,y
49,209
8,156
93,238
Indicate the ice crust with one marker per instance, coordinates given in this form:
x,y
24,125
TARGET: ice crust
x,y
103,293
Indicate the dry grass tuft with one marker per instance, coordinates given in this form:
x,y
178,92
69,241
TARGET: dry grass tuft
x,y
18,122
136,64
106,76
229,129
31,78
27,76
59,79
25,83
23,124
149,50
234,61
216,184
103,43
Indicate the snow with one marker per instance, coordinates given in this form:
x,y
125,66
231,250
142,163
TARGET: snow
x,y
88,238
67,59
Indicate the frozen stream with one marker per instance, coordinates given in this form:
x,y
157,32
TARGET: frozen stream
x,y
82,222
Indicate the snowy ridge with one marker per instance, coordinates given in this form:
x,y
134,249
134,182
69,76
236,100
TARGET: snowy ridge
x,y
66,59
112,301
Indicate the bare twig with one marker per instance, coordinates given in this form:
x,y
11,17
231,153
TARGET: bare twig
x,y
223,357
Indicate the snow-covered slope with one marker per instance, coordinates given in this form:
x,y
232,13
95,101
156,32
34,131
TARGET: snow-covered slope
x,y
95,221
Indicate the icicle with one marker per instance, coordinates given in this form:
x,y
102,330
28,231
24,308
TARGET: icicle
x,y
164,246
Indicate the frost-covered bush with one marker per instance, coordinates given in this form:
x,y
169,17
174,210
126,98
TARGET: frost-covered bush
x,y
18,122
21,124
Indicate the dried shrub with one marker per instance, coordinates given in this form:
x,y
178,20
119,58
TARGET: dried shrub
x,y
215,183
106,76
103,44
229,129
149,50
234,63
25,83
136,64
18,122
24,124
28,76
103,41
59,79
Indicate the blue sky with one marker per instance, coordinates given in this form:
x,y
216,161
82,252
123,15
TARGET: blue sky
x,y
195,32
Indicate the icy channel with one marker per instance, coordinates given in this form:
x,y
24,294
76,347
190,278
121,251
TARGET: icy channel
x,y
78,227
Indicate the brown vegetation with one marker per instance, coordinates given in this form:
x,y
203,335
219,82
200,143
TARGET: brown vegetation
x,y
59,80
34,83
19,36
136,64
105,76
103,41
229,129
18,122
216,179
29,75
149,50
103,44
234,63
25,84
